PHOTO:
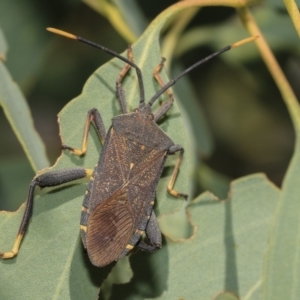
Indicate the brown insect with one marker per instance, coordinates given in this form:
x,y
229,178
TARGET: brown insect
x,y
118,205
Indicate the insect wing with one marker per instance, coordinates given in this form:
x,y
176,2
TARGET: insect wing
x,y
109,229
143,180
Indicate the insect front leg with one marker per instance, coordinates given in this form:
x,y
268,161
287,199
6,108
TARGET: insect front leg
x,y
92,116
171,183
120,90
153,234
166,105
51,178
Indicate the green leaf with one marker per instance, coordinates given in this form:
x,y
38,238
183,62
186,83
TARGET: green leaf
x,y
282,268
132,15
18,114
114,15
226,255
51,263
226,296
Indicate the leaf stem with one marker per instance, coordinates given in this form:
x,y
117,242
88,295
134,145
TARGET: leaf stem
x,y
293,11
284,87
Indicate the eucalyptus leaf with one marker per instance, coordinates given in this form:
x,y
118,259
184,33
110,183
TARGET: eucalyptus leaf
x,y
132,15
226,254
114,15
18,114
51,263
282,267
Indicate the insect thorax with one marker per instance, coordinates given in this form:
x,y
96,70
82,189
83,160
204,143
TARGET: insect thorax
x,y
141,128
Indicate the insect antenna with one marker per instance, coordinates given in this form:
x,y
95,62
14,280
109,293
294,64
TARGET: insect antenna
x,y
111,52
200,62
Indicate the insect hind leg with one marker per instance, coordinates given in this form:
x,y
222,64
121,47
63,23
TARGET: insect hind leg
x,y
51,178
153,234
171,183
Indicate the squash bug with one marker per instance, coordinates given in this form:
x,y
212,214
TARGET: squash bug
x,y
118,205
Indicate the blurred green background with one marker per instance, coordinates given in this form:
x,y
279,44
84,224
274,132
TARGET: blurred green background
x,y
248,127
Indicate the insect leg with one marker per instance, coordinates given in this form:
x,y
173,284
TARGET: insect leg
x,y
51,178
166,105
120,91
170,186
153,234
92,116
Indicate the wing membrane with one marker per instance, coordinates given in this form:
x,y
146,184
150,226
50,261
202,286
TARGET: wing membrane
x,y
109,230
